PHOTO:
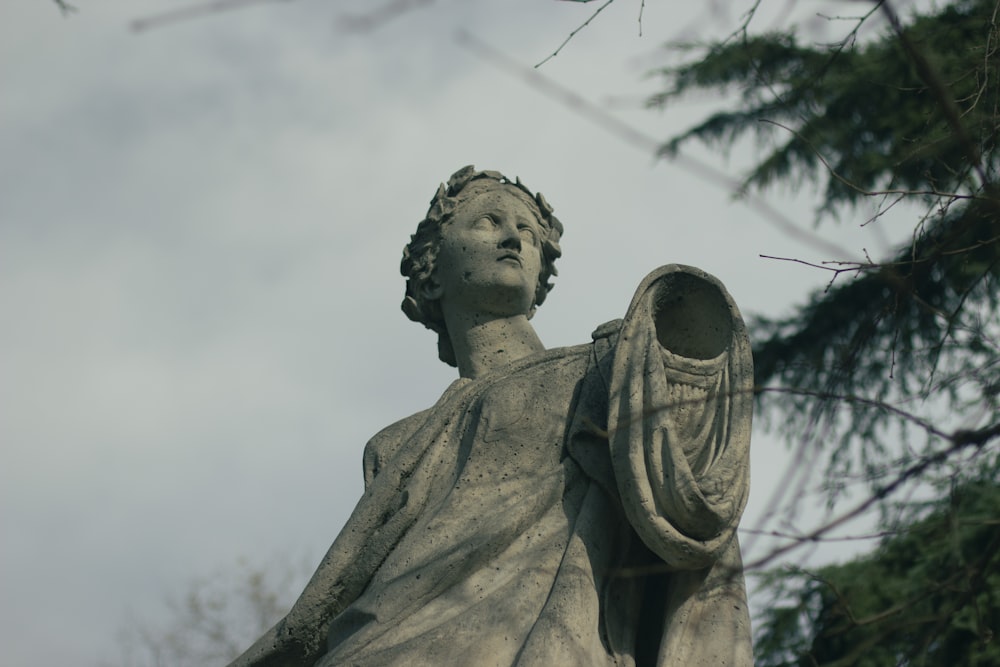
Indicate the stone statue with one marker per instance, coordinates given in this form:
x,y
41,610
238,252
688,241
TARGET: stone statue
x,y
574,506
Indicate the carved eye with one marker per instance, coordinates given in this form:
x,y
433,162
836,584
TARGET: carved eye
x,y
528,234
484,222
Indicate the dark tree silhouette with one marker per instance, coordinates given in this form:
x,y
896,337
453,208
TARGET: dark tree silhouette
x,y
890,375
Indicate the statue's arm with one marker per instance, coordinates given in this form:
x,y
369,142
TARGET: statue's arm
x,y
386,443
277,649
299,639
680,403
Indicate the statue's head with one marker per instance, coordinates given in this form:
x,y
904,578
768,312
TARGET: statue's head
x,y
420,256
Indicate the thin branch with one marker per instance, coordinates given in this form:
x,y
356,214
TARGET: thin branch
x,y
834,174
882,209
851,37
988,51
194,11
65,7
873,403
854,267
886,613
939,89
741,30
840,266
573,34
960,439
862,507
576,103
800,537
376,18
953,318
799,466
974,588
841,45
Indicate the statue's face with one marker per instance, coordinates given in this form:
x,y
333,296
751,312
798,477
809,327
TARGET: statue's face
x,y
490,255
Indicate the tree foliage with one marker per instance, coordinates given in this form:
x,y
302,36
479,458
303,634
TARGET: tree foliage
x,y
893,371
215,619
929,595
857,120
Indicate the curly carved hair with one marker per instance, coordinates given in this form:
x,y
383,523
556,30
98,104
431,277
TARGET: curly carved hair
x,y
420,254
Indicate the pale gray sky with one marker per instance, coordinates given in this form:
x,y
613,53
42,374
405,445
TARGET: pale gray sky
x,y
200,233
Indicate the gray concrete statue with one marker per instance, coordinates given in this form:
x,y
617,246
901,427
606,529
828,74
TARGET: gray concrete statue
x,y
574,506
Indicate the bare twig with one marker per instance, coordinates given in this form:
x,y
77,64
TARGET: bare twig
x,y
953,318
573,34
929,74
65,7
870,402
856,188
886,613
856,267
882,209
642,141
852,267
959,440
800,537
850,38
376,18
959,443
741,30
988,51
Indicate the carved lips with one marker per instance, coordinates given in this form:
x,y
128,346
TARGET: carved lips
x,y
509,255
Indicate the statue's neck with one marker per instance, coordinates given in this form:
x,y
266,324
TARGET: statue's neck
x,y
482,343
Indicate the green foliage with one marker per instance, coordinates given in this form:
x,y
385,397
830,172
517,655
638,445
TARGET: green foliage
x,y
929,595
922,325
863,109
916,113
892,371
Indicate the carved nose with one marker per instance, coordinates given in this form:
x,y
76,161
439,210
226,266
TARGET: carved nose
x,y
511,239
511,243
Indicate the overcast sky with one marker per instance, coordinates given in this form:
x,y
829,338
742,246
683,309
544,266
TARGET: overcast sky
x,y
200,234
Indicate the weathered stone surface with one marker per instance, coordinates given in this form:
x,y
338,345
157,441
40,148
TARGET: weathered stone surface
x,y
575,506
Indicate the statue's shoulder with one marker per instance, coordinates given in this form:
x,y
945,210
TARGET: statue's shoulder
x,y
384,444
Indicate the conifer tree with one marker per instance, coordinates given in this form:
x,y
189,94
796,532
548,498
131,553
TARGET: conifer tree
x,y
892,373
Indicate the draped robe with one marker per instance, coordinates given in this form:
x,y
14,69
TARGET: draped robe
x,y
575,507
